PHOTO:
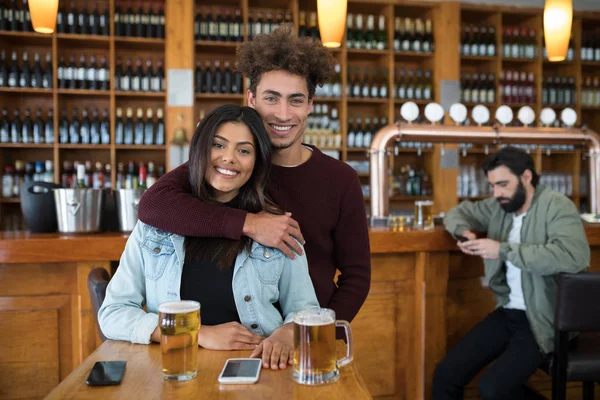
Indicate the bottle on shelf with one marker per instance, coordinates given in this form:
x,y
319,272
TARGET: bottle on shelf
x,y
81,174
27,131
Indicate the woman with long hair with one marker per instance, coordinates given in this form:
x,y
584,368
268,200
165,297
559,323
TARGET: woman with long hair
x,y
247,292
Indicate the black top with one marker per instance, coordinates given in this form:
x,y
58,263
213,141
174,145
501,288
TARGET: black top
x,y
203,281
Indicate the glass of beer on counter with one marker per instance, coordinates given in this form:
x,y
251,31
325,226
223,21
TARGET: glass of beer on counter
x,y
423,215
179,322
315,360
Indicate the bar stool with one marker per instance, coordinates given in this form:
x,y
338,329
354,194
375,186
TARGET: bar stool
x,y
97,283
577,310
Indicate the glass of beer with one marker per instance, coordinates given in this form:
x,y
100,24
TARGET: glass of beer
x,y
315,361
423,215
179,322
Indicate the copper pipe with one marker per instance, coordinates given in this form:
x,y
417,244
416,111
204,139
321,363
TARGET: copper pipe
x,y
378,152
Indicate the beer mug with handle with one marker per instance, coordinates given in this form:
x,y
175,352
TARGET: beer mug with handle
x,y
315,360
179,322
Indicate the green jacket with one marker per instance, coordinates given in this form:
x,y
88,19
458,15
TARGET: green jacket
x,y
552,240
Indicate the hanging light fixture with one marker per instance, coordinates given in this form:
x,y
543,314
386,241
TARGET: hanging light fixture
x,y
558,17
332,21
43,15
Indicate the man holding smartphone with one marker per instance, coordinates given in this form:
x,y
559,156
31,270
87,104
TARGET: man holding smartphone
x,y
533,233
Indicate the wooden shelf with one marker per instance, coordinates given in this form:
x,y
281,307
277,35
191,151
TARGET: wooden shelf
x,y
27,145
139,147
402,101
479,58
471,104
212,43
412,55
219,96
519,105
366,52
84,92
121,93
25,90
84,146
520,60
32,38
590,63
368,100
137,43
558,107
12,200
405,198
547,62
590,108
327,99
82,38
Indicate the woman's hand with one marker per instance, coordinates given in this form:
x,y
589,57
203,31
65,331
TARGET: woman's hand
x,y
229,336
278,349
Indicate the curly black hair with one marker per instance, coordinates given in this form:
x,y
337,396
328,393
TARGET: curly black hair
x,y
282,50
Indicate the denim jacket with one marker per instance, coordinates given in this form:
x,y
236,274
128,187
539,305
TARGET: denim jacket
x,y
150,273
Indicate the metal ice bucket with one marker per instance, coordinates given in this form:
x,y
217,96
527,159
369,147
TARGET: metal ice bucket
x,y
78,210
127,201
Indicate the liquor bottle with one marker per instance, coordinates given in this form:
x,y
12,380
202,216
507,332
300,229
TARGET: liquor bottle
x,y
72,19
27,128
3,17
160,27
491,42
401,85
149,128
159,78
223,26
119,127
105,128
138,21
349,31
128,132
428,45
151,179
14,17
85,128
236,28
25,75
314,30
82,73
198,77
465,41
128,21
160,128
38,128
19,177
74,127
103,75
82,23
147,77
36,74
49,128
98,177
3,69
8,181
4,127
16,127
428,86
103,22
226,83
137,76
416,44
95,127
372,87
119,17
150,21
81,177
237,82
213,27
381,34
208,78
359,37
143,173
336,87
90,74
218,74
127,77
370,41
94,21
365,89
483,40
47,75
408,35
63,127
491,89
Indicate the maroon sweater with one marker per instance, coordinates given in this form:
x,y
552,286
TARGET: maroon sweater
x,y
323,195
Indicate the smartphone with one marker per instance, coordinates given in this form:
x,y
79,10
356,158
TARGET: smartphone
x,y
241,371
106,373
462,238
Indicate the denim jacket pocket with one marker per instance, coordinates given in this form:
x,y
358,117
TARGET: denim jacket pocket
x,y
268,264
156,257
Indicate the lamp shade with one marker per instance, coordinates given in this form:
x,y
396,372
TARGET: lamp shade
x,y
558,17
43,15
332,21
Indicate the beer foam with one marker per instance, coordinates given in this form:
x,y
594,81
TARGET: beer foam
x,y
176,307
314,317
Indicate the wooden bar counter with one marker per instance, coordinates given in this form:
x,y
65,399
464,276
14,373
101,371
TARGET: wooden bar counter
x,y
424,296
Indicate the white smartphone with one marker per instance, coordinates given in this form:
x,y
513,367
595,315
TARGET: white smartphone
x,y
241,371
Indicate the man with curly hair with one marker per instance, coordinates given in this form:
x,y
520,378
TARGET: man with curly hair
x,y
323,195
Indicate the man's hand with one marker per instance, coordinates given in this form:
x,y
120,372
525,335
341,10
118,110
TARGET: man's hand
x,y
278,349
229,336
278,231
487,249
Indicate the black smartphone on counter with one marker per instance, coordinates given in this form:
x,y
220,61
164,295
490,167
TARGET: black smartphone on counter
x,y
106,373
